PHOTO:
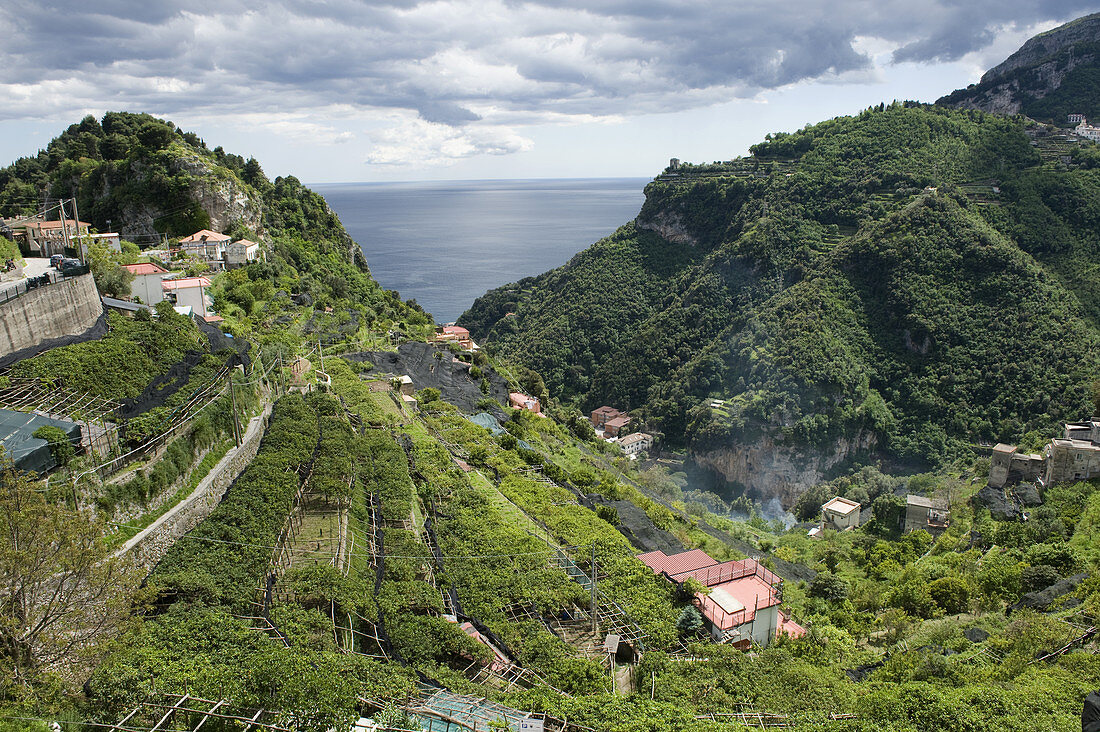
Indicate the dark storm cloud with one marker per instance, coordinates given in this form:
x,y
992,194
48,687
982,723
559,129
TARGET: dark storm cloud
x,y
451,60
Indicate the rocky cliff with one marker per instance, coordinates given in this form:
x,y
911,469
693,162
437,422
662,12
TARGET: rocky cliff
x,y
1052,75
773,468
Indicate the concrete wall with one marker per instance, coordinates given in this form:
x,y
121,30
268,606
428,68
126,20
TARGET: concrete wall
x,y
148,547
65,308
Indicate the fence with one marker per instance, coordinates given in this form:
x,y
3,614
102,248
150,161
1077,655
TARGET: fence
x,y
17,289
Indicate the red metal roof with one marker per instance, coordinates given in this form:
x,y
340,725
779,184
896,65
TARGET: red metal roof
x,y
687,561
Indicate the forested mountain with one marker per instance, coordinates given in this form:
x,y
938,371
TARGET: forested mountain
x,y
148,178
1054,74
905,281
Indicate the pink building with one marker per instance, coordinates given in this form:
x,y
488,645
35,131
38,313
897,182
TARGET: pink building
x,y
456,334
742,605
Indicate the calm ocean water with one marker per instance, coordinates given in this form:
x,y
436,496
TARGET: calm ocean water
x,y
445,243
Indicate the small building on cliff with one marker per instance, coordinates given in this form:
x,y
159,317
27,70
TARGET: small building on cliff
x,y
1074,456
840,514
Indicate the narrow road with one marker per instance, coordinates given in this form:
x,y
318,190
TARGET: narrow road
x,y
254,424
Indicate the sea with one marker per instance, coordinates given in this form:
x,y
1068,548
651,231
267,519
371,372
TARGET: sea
x,y
445,243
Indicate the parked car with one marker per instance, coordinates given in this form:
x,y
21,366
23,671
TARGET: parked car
x,y
70,266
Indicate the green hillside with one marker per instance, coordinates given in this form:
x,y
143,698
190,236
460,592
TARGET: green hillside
x,y
821,288
149,178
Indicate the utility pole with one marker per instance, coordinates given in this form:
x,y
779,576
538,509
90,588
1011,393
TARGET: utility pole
x,y
79,241
233,403
592,601
64,225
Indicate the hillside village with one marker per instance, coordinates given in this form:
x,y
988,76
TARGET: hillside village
x,y
303,505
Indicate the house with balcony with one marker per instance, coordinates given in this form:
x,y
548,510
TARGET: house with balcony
x,y
922,512
741,603
210,246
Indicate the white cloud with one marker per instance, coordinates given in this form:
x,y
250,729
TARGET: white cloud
x,y
473,71
414,143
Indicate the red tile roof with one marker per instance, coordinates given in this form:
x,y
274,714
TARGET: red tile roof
x,y
145,268
456,330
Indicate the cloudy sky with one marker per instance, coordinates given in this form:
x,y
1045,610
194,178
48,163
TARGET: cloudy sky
x,y
346,90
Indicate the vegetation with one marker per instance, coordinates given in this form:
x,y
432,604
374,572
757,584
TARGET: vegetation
x,y
821,292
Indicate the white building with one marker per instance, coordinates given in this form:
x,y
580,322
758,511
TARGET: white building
x,y
840,514
1087,131
147,283
190,291
207,245
636,443
241,252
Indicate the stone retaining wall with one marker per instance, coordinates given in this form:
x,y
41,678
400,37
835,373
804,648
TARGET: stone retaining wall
x,y
148,547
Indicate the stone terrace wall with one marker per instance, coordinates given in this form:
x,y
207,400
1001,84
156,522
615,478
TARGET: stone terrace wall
x,y
148,547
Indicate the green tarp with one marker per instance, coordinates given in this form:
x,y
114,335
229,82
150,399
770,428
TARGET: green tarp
x,y
29,452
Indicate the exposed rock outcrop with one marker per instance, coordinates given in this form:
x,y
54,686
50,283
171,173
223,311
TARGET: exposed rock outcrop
x,y
668,225
1035,72
768,468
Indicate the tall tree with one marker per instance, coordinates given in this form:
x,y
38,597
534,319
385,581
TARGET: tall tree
x,y
61,595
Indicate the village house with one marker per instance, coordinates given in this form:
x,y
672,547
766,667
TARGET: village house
x,y
39,238
840,514
742,605
1085,130
1075,456
519,400
601,415
148,282
638,442
189,292
1008,465
207,245
405,385
925,513
608,421
241,252
452,333
111,240
615,425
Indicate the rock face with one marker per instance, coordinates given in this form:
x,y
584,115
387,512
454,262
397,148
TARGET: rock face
x,y
223,200
667,224
1033,81
770,469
